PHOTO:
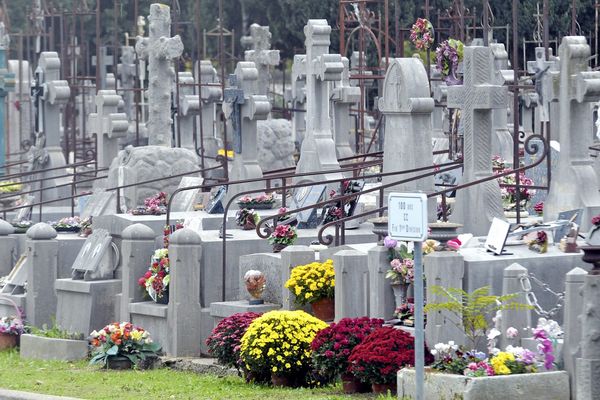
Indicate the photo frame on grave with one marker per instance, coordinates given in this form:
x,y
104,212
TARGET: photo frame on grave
x,y
17,278
94,260
496,237
562,231
354,186
216,205
310,218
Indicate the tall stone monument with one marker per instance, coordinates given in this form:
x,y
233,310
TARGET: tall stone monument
x,y
261,54
7,84
343,97
318,147
126,71
298,97
243,106
477,205
108,125
502,140
189,108
210,94
407,107
573,184
159,49
19,107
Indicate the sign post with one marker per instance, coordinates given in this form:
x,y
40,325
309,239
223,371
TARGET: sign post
x,y
407,221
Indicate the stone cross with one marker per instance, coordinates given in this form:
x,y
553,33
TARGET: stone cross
x,y
544,74
126,71
7,84
298,95
243,106
573,185
19,106
189,108
477,205
159,49
407,107
209,95
343,97
106,61
109,125
318,147
502,140
261,55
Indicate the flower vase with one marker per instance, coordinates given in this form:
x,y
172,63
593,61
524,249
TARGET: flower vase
x,y
452,79
383,388
324,309
277,247
164,299
118,363
280,380
400,292
249,225
7,341
593,236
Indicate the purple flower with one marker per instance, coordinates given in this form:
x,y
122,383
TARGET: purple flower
x,y
389,242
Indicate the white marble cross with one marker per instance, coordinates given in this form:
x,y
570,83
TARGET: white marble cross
x,y
126,71
298,97
189,108
261,55
159,49
209,95
477,205
343,96
108,125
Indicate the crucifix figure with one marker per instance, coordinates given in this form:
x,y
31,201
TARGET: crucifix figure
x,y
261,54
7,84
477,205
160,50
318,147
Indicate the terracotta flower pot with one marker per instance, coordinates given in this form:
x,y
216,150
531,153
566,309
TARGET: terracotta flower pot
x,y
280,380
383,388
119,363
324,309
7,341
352,385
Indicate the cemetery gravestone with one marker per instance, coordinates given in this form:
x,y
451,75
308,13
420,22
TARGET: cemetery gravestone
x,y
100,202
189,108
502,140
102,61
477,205
126,71
261,55
343,97
209,95
108,125
19,109
298,95
184,201
7,84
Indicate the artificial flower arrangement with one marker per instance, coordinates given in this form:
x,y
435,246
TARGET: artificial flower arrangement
x,y
10,187
168,229
539,208
498,163
121,340
540,243
246,218
282,236
86,227
156,280
448,55
263,201
279,343
405,312
22,226
509,192
332,346
382,353
312,282
400,255
224,341
334,210
595,228
153,205
421,34
12,325
67,224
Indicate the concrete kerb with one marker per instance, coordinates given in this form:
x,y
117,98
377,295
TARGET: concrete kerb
x,y
18,395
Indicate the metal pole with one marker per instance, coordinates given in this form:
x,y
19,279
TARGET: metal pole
x,y
419,328
515,63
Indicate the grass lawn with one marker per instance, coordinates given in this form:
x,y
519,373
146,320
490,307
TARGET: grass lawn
x,y
77,379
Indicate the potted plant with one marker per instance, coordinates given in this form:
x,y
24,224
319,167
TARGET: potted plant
x,y
276,348
224,341
314,284
10,329
247,219
53,344
421,34
261,202
379,357
332,347
282,236
156,280
448,55
121,345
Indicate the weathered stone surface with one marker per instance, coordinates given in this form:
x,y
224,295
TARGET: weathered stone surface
x,y
572,322
275,144
351,284
43,348
381,295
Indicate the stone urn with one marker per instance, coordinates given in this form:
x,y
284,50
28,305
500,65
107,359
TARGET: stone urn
x,y
591,250
380,227
443,231
256,282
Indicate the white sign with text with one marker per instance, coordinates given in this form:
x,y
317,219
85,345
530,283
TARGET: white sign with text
x,y
407,216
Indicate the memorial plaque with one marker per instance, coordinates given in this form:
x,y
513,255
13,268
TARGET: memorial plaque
x,y
305,196
99,203
216,205
184,201
93,261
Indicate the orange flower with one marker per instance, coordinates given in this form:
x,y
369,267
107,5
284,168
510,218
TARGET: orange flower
x,y
95,342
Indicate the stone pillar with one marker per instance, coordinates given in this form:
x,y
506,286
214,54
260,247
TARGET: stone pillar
x,y
136,250
184,294
519,319
574,282
159,49
588,366
318,147
291,257
573,184
477,205
351,284
42,266
381,296
8,248
445,269
19,109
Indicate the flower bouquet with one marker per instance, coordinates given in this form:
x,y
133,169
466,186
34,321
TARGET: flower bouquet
x,y
261,202
421,34
153,205
22,226
540,243
277,345
448,55
539,208
224,341
10,187
332,346
593,238
86,227
10,329
405,312
121,345
156,280
314,284
247,219
509,192
67,224
282,236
